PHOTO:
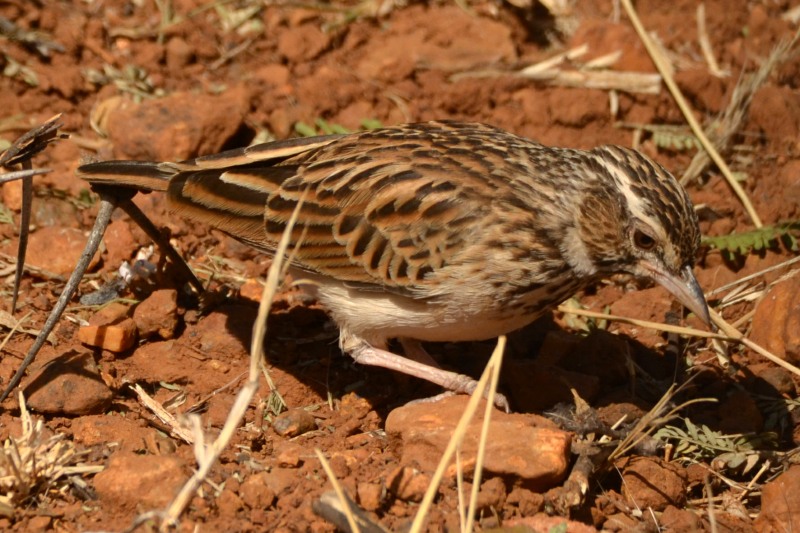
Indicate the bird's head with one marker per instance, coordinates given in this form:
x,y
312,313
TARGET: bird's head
x,y
636,218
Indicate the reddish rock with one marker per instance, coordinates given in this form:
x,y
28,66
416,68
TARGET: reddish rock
x,y
525,446
775,112
370,496
294,422
68,385
119,242
304,43
544,522
157,314
252,290
110,314
142,482
11,194
674,519
229,502
273,74
98,430
57,249
702,88
739,413
226,331
651,483
255,493
492,495
116,337
290,456
176,127
780,503
776,323
480,43
408,484
171,364
179,53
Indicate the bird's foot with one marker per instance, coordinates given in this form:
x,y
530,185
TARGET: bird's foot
x,y
364,353
500,400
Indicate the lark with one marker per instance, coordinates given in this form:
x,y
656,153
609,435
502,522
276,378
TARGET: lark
x,y
438,231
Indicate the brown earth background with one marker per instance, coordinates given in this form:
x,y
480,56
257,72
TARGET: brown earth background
x,y
172,80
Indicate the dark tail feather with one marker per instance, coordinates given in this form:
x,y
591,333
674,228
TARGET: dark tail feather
x,y
141,175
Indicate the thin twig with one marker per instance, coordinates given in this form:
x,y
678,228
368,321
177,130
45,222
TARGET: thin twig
x,y
107,205
705,43
207,457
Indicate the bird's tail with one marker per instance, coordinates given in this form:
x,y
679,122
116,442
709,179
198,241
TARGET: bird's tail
x,y
140,175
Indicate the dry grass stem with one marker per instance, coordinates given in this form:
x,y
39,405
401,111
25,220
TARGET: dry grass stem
x,y
550,71
208,455
176,427
22,174
337,487
705,43
606,80
729,333
481,455
34,463
658,326
792,15
489,376
588,75
736,335
554,62
652,420
723,128
745,279
662,66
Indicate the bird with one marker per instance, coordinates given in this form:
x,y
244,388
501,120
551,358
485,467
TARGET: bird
x,y
437,231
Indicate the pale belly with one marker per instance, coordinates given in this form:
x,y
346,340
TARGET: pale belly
x,y
377,316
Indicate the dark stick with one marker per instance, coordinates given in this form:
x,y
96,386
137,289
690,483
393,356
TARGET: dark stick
x,y
163,243
107,205
24,230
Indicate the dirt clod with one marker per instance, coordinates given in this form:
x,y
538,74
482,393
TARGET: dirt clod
x,y
650,483
523,446
132,481
68,385
780,502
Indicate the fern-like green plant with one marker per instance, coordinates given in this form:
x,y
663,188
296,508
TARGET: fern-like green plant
x,y
323,127
739,452
768,237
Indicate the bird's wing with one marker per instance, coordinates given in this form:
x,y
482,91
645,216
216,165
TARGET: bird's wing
x,y
382,208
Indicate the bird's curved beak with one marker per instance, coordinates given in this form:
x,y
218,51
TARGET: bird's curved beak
x,y
684,287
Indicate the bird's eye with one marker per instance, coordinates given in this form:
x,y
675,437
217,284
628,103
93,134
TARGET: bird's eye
x,y
643,241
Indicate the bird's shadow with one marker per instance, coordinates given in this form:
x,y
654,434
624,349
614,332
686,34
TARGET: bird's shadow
x,y
542,365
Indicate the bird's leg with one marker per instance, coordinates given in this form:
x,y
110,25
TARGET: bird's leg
x,y
414,350
364,353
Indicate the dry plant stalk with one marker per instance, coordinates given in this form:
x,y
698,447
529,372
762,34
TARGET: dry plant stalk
x,y
34,463
207,454
487,384
729,333
723,128
588,75
176,429
663,67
